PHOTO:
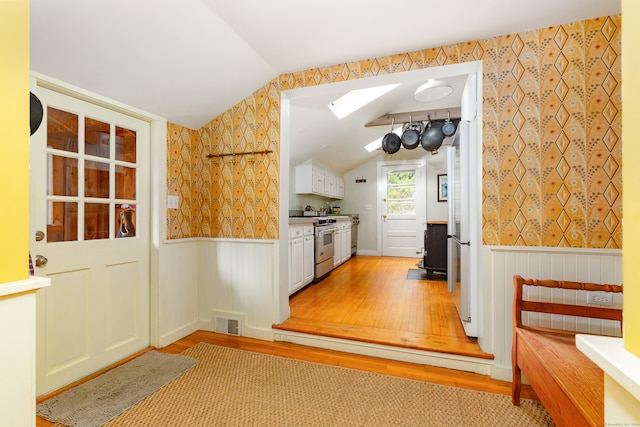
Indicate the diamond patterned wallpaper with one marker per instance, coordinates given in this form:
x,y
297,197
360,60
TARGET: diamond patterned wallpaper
x,y
551,141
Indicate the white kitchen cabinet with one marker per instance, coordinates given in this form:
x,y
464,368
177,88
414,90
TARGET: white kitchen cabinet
x,y
296,256
342,245
312,179
340,188
301,256
308,259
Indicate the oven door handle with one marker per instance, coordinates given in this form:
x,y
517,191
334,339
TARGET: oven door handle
x,y
323,232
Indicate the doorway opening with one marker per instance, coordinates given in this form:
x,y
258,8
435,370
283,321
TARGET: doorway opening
x,y
351,271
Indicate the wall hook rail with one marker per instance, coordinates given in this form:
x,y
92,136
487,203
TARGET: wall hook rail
x,y
244,153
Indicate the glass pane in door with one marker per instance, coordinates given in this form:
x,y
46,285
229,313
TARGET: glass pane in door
x,y
125,183
125,145
96,179
126,220
62,221
401,190
96,221
62,173
62,130
96,138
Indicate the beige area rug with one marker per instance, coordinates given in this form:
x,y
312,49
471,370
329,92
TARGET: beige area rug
x,y
98,400
232,387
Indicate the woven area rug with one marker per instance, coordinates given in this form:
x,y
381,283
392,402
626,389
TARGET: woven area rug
x,y
98,400
232,387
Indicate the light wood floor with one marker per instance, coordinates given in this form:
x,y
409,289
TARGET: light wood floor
x,y
370,299
396,368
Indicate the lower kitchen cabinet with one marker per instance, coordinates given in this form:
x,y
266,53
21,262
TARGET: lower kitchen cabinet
x,y
342,242
296,256
308,258
301,256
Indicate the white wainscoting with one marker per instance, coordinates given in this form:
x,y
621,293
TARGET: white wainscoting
x,y
177,313
238,278
501,263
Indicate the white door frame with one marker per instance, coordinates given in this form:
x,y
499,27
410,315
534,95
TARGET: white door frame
x,y
420,186
157,178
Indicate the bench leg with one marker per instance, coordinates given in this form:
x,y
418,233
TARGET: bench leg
x,y
515,386
516,382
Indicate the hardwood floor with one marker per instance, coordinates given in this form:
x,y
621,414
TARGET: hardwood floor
x,y
371,299
396,368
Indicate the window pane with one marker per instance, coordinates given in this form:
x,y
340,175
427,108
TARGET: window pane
x,y
404,207
96,179
125,145
401,189
125,183
63,176
96,221
125,221
62,130
96,138
62,221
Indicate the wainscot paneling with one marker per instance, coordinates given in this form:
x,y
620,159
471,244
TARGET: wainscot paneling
x,y
584,265
177,314
238,280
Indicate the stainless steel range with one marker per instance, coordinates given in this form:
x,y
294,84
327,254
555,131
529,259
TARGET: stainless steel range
x,y
324,239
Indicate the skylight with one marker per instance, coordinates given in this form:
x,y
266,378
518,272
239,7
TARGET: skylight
x,y
356,99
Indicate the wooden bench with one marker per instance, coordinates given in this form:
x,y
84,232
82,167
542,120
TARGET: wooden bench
x,y
569,385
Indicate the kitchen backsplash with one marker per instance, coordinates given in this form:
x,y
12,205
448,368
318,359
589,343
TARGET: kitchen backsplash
x,y
552,151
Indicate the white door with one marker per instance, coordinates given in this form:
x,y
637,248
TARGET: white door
x,y
403,209
90,206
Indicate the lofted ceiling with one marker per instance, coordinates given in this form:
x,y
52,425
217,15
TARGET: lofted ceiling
x,y
191,60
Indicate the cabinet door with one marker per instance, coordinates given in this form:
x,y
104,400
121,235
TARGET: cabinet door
x,y
347,244
318,180
340,194
308,255
295,264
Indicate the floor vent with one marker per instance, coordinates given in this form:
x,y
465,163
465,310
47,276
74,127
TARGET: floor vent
x,y
228,326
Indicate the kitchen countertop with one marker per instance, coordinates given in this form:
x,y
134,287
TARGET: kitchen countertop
x,y
302,220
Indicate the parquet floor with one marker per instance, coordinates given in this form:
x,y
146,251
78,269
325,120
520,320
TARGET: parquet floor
x,y
371,299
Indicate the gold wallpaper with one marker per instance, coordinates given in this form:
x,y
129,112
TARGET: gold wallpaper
x,y
551,141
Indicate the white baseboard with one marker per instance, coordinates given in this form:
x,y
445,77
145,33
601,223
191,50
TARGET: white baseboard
x,y
176,334
367,253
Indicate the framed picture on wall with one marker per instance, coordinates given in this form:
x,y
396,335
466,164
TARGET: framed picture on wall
x,y
443,188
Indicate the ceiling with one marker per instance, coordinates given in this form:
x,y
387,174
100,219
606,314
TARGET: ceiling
x,y
191,60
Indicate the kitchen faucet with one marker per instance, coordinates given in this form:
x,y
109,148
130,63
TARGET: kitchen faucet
x,y
324,210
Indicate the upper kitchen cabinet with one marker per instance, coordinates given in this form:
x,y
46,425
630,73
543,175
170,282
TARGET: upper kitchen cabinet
x,y
312,179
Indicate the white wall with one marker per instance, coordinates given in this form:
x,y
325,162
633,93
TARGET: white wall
x,y
18,350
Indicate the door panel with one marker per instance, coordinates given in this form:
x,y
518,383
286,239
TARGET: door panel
x,y
90,195
403,209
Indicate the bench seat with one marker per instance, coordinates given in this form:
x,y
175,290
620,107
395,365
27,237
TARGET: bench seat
x,y
569,385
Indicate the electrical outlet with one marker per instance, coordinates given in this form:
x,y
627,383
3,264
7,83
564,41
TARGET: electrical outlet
x,y
599,298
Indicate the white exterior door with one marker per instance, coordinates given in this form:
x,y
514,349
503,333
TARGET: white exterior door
x,y
90,207
403,209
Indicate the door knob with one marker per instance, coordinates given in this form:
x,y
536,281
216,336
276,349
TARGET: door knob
x,y
41,260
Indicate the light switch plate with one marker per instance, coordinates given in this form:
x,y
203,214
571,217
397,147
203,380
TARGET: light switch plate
x,y
172,202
